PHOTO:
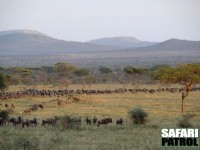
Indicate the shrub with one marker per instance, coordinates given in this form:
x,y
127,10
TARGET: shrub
x,y
184,122
4,114
68,122
138,116
3,84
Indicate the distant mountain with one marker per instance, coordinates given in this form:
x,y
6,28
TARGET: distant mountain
x,y
123,42
175,45
30,42
31,48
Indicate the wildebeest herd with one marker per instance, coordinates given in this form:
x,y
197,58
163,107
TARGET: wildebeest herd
x,y
58,93
19,122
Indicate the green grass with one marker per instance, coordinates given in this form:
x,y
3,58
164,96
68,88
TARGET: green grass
x,y
105,137
164,111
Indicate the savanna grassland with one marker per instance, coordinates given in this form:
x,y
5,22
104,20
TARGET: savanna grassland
x,y
163,108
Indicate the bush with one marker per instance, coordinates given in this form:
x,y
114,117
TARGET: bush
x,y
68,122
3,84
4,114
185,121
138,116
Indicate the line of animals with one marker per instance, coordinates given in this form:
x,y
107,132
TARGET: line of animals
x,y
20,122
33,108
50,93
103,121
28,110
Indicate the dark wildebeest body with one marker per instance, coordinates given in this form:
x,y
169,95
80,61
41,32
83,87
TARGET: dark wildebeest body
x,y
50,121
94,120
17,121
11,120
25,123
6,105
33,122
40,106
104,121
119,121
88,121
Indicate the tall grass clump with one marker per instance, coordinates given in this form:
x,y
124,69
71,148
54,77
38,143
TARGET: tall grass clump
x,y
27,143
69,122
138,116
184,122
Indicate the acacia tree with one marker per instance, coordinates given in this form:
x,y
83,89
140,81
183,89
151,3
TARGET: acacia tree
x,y
187,75
24,74
82,73
63,71
105,72
89,80
132,73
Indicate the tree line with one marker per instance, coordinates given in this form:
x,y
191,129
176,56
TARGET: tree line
x,y
64,74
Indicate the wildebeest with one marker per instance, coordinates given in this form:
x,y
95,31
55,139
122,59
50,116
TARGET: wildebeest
x,y
25,123
119,121
49,121
33,122
6,105
41,106
17,121
104,121
94,120
88,121
11,120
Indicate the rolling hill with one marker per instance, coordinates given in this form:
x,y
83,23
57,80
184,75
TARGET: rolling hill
x,y
29,42
123,42
32,48
175,45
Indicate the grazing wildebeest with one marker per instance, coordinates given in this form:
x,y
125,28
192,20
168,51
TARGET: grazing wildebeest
x,y
17,121
119,121
25,123
11,120
104,121
41,106
88,121
94,120
1,122
49,121
6,105
33,122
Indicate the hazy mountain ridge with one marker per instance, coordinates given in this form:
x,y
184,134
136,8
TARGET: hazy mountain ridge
x,y
30,42
26,42
7,32
123,42
32,48
175,44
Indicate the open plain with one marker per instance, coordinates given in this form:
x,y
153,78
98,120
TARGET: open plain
x,y
163,108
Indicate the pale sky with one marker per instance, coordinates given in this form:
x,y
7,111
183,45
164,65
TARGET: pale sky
x,y
83,20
